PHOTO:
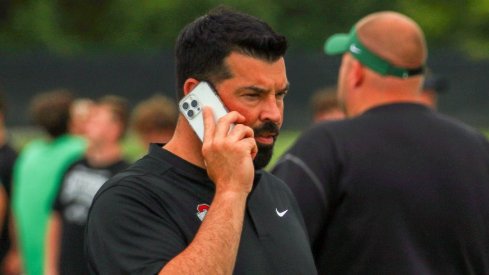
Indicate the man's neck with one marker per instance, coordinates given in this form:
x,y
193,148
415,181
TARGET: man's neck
x,y
186,145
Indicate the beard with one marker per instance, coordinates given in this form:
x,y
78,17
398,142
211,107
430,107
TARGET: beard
x,y
265,151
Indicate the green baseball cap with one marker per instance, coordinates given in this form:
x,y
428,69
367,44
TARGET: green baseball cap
x,y
349,42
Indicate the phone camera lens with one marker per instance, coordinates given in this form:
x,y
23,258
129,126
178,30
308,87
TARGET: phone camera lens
x,y
190,113
185,105
194,103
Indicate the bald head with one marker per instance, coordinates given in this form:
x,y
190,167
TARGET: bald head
x,y
394,37
384,58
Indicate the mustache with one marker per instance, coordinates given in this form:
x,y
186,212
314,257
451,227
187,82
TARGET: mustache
x,y
267,127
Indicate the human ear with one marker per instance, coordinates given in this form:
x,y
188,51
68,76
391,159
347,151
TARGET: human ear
x,y
357,73
189,85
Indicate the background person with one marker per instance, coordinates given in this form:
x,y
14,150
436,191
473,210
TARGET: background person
x,y
105,128
38,173
209,208
325,106
154,120
398,188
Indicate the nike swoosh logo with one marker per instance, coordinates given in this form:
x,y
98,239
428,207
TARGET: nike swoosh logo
x,y
355,49
281,214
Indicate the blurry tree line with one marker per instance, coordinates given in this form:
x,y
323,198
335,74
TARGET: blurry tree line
x,y
71,27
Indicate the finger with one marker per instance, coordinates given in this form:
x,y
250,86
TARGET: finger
x,y
250,144
254,151
224,123
240,131
209,123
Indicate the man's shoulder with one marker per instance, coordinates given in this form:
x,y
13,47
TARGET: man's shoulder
x,y
324,136
145,167
270,178
273,183
457,124
140,175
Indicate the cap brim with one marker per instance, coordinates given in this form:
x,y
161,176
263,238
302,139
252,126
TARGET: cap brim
x,y
337,44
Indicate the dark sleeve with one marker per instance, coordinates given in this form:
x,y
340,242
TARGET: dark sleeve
x,y
310,169
129,232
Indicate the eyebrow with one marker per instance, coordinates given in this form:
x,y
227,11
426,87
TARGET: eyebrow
x,y
261,90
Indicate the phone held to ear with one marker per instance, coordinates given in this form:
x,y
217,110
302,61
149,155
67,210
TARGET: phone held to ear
x,y
191,106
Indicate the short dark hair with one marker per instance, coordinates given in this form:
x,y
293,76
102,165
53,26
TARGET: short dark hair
x,y
51,111
202,45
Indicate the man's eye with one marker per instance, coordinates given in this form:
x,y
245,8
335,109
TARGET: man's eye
x,y
281,95
252,95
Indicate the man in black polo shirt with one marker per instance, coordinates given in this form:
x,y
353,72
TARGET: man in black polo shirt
x,y
208,208
397,188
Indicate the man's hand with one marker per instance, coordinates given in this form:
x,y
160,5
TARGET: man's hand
x,y
228,152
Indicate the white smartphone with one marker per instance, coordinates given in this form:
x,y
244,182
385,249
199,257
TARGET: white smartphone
x,y
191,106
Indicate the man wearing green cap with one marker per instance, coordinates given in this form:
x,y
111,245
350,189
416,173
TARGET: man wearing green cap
x,y
397,188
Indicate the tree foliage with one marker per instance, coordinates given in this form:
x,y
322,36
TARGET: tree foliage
x,y
74,27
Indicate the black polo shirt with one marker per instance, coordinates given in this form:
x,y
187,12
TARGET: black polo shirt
x,y
145,216
400,189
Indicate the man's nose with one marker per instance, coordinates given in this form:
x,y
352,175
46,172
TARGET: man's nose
x,y
271,110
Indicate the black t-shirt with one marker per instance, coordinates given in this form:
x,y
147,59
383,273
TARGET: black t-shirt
x,y
7,161
397,190
145,216
80,184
